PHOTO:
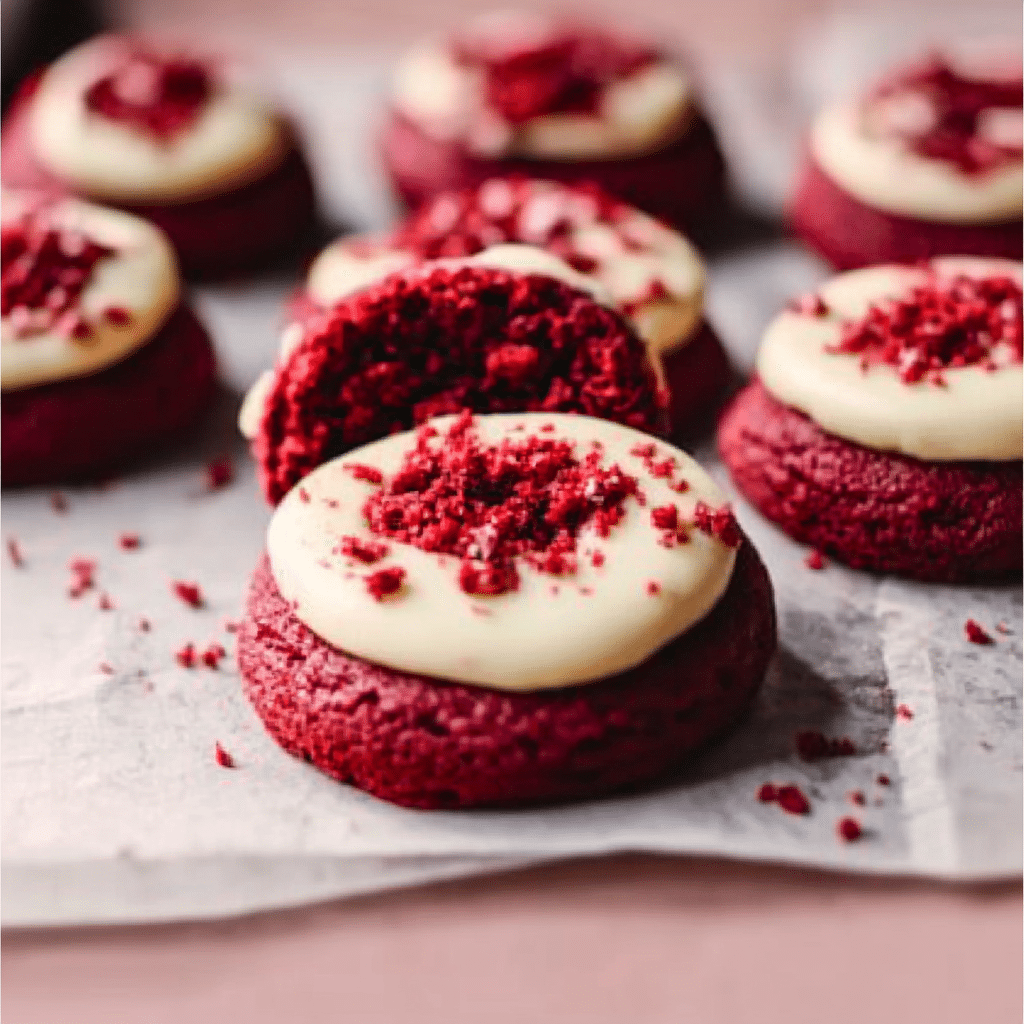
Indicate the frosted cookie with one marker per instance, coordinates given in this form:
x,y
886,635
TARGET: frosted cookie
x,y
602,614
885,426
927,163
551,98
169,135
101,360
510,329
652,273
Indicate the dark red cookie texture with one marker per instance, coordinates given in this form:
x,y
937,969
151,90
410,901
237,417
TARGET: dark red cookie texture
x,y
423,742
223,235
683,183
938,522
91,426
697,374
434,341
850,234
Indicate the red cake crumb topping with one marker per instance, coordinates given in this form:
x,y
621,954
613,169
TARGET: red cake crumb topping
x,y
529,497
384,582
222,757
653,588
719,523
815,560
45,269
359,471
186,655
946,323
158,95
117,316
420,344
904,713
857,797
129,541
219,473
976,633
212,655
946,121
82,576
812,745
849,830
883,780
597,559
789,797
519,211
190,593
105,604
366,551
14,553
561,69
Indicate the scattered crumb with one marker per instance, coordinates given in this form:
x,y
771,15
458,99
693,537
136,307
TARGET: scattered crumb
x,y
815,560
186,656
106,669
144,625
597,559
384,582
884,780
190,593
976,633
849,830
219,473
789,797
212,655
222,757
14,553
129,541
856,797
82,576
767,793
904,712
105,604
653,588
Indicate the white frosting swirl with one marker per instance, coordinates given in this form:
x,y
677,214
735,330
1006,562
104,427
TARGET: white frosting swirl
x,y
140,278
552,631
236,138
636,114
883,172
975,416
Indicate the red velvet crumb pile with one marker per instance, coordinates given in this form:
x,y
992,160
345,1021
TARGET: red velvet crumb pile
x,y
487,505
946,323
158,95
557,69
513,210
45,270
951,113
439,341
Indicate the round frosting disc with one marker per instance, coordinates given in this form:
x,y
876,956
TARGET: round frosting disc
x,y
553,630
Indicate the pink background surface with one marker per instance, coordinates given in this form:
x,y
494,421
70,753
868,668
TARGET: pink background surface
x,y
620,939
648,939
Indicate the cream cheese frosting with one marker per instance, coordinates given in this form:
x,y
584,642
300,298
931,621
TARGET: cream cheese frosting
x,y
236,138
139,280
636,114
553,630
975,415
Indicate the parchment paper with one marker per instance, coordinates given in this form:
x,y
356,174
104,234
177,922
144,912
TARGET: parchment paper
x,y
114,808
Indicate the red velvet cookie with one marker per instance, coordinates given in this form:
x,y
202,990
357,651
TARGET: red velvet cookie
x,y
523,94
512,736
934,370
101,360
435,340
229,208
651,273
929,163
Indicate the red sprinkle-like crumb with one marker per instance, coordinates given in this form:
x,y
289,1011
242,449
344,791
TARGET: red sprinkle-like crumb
x,y
117,316
768,793
222,757
947,323
956,106
212,655
219,473
883,780
815,560
856,797
487,505
565,69
45,268
719,523
597,559
58,502
361,471
384,582
304,496
106,668
653,588
976,633
809,305
14,553
812,745
155,94
849,829
129,541
82,576
190,593
366,551
904,712
105,604
789,797
186,656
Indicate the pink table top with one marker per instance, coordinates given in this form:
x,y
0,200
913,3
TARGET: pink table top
x,y
650,939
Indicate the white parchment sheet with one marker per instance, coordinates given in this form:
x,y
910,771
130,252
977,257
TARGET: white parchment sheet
x,y
114,808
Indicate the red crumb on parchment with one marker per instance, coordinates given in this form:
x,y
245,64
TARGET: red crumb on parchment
x,y
789,797
905,712
856,796
977,633
189,593
186,655
653,588
219,473
365,551
815,560
212,655
129,541
82,576
104,603
849,830
883,780
144,625
222,757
